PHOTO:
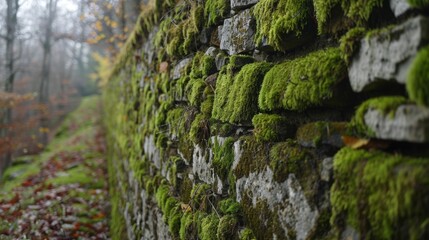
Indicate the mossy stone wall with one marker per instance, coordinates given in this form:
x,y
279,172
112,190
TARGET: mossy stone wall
x,y
271,119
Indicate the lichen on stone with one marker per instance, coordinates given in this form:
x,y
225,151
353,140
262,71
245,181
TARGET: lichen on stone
x,y
303,82
418,78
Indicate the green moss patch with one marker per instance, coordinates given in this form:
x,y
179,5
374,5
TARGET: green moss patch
x,y
381,195
254,157
304,82
223,157
236,95
271,128
419,3
418,78
277,18
350,42
357,11
215,11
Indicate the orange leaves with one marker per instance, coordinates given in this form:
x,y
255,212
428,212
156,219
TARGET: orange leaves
x,y
361,143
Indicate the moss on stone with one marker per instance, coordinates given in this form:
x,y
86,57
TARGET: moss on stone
x,y
195,90
236,96
418,78
174,218
229,206
254,157
187,226
312,134
357,11
381,195
304,82
419,3
271,128
227,228
386,105
209,227
215,11
207,106
200,196
223,157
264,222
236,62
277,18
350,42
200,130
202,65
247,234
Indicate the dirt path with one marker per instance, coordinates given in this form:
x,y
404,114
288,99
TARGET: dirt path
x,y
63,192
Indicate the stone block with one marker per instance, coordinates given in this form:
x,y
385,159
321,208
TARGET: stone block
x,y
399,7
179,69
410,123
388,54
240,4
238,32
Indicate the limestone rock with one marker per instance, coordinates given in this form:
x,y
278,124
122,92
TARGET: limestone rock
x,y
240,4
410,123
221,60
238,32
180,68
399,7
388,54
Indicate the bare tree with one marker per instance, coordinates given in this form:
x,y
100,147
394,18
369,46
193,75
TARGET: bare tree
x,y
47,42
12,7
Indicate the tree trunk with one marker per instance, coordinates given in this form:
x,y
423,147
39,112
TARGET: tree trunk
x,y
11,26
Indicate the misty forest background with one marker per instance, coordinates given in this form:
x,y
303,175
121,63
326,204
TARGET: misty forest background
x,y
53,53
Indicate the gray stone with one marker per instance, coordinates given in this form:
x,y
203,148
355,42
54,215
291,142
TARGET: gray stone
x,y
287,199
204,36
327,169
221,60
238,32
388,55
399,7
212,52
410,123
241,4
179,69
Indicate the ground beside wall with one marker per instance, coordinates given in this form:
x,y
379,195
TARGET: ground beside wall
x,y
271,119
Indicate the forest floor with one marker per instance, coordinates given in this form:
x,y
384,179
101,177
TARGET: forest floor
x,y
61,193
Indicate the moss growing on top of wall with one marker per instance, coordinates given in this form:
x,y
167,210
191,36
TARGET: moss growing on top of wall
x,y
418,78
381,195
356,10
236,96
386,105
277,18
304,82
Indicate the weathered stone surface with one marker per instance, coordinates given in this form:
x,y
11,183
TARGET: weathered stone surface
x,y
221,60
180,67
399,7
388,54
287,199
240,4
410,123
212,52
327,169
314,134
238,32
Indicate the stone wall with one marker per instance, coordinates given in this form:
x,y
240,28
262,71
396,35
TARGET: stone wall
x,y
272,119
